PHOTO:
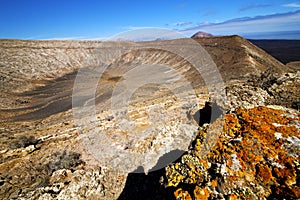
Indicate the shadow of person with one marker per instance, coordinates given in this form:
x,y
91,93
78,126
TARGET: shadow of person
x,y
150,186
208,114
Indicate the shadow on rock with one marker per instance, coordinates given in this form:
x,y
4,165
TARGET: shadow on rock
x,y
150,186
208,114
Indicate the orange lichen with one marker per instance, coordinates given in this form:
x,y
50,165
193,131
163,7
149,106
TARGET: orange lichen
x,y
182,195
214,183
233,197
201,193
288,175
264,173
255,146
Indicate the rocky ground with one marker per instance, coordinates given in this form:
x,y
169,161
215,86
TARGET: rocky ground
x,y
252,152
256,157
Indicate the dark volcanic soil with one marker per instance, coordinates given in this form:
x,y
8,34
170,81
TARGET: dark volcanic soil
x,y
283,50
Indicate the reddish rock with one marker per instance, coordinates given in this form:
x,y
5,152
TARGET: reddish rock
x,y
202,34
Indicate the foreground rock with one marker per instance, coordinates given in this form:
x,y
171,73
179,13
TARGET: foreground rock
x,y
255,157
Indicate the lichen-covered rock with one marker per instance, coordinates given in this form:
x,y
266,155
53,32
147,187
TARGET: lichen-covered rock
x,y
256,157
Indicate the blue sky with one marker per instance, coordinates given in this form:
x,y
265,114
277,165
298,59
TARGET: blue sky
x,y
92,19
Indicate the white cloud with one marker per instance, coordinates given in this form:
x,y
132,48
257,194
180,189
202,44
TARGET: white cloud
x,y
276,22
182,23
204,23
146,34
292,5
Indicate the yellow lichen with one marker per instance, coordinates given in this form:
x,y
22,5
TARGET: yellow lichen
x,y
201,193
261,158
182,195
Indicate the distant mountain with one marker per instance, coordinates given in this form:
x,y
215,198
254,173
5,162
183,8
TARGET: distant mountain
x,y
202,34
